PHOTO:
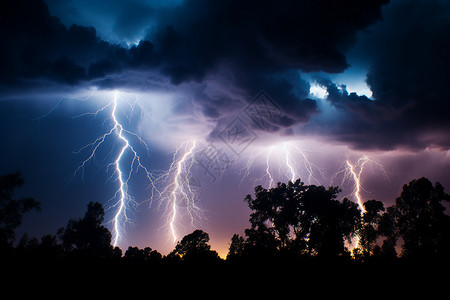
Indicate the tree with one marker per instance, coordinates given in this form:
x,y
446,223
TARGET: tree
x,y
274,216
11,209
146,255
369,229
306,218
50,248
331,222
195,247
88,235
387,229
237,247
420,220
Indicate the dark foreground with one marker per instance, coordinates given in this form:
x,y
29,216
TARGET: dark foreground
x,y
107,277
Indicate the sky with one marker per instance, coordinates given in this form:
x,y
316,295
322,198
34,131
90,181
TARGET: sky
x,y
170,112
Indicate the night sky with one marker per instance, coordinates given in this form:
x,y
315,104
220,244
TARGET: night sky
x,y
170,112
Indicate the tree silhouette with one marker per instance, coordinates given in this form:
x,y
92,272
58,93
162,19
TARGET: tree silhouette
x,y
274,216
88,235
387,229
299,217
236,248
11,209
420,221
146,255
195,247
332,224
369,229
291,222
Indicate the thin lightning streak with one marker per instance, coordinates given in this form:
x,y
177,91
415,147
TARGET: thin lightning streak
x,y
309,167
290,167
354,172
122,184
357,179
179,195
292,151
271,182
288,159
42,117
178,188
357,186
123,200
181,192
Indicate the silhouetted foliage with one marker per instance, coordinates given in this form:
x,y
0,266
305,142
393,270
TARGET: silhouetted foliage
x,y
195,247
302,218
299,220
290,223
236,248
368,231
386,229
420,221
11,209
88,235
146,255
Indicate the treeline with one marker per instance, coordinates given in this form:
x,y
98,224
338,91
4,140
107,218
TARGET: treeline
x,y
306,222
290,223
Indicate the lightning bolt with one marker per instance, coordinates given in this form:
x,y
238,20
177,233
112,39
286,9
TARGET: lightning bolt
x,y
353,172
271,181
290,166
122,201
284,162
357,179
182,191
181,187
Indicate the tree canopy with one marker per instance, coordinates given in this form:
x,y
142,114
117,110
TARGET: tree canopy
x,y
195,247
304,218
88,234
420,221
12,209
308,220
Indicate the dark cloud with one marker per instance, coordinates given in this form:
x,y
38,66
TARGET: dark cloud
x,y
36,45
359,122
409,75
132,20
410,67
260,44
261,35
117,21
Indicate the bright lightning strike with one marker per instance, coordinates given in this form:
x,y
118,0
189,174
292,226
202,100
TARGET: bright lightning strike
x,y
357,179
182,192
285,161
182,189
353,172
123,167
268,173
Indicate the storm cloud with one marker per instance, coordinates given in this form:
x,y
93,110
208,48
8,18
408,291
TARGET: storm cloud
x,y
228,51
409,69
